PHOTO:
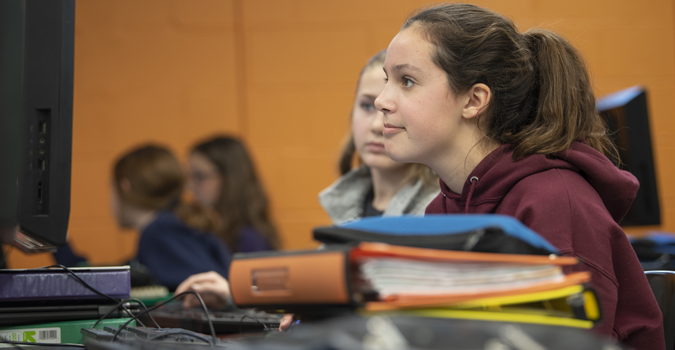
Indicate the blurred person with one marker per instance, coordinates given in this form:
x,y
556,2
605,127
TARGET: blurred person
x,y
174,243
223,178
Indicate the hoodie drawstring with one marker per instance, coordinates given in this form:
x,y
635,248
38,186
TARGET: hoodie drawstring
x,y
445,206
468,197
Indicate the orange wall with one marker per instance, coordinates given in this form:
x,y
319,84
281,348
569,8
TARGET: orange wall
x,y
281,74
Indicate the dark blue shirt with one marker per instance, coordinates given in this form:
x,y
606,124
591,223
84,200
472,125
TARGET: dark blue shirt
x,y
66,257
173,251
250,240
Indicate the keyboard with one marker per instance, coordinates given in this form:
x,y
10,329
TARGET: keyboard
x,y
224,322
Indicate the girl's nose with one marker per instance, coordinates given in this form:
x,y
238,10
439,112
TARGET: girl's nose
x,y
383,103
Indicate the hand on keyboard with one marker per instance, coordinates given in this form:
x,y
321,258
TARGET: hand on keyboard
x,y
211,286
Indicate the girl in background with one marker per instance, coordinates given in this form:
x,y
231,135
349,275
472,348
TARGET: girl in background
x,y
223,178
174,244
508,122
379,185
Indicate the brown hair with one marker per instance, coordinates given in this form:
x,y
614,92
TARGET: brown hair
x,y
417,171
157,181
242,200
542,99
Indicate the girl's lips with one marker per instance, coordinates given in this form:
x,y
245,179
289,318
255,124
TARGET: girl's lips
x,y
375,147
391,129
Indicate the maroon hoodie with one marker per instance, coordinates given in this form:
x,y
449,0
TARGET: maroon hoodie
x,y
574,200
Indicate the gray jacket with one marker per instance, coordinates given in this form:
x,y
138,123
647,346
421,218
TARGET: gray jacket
x,y
343,200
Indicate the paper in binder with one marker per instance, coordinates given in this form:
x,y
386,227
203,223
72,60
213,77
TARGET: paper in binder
x,y
373,274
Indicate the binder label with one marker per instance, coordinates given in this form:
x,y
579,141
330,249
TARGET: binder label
x,y
272,279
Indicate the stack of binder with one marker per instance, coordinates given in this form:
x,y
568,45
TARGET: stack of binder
x,y
384,278
51,305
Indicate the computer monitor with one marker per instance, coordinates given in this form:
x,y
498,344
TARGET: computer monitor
x,y
37,50
627,118
11,30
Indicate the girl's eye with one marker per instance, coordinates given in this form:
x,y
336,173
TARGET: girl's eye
x,y
368,107
407,82
386,80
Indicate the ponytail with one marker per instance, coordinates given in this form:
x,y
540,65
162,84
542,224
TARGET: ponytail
x,y
565,109
542,98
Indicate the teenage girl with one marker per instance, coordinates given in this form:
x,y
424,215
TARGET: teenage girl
x,y
146,188
223,178
379,185
508,122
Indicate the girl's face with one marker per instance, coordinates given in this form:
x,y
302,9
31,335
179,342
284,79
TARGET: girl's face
x,y
205,181
422,116
367,122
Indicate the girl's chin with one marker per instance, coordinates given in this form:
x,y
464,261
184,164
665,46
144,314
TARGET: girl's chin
x,y
397,157
384,164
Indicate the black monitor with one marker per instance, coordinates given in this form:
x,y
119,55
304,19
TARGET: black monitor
x,y
627,118
11,33
37,105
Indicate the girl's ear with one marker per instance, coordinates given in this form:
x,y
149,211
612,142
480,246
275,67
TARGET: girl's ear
x,y
478,98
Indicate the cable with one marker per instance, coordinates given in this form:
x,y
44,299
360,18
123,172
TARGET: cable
x,y
79,279
254,319
206,311
107,313
122,302
41,344
201,301
146,311
89,287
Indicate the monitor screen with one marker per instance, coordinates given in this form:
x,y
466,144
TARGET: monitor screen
x,y
41,38
627,119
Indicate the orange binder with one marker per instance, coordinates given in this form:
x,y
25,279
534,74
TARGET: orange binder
x,y
303,279
282,279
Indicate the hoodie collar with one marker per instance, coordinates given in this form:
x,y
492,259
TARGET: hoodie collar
x,y
497,173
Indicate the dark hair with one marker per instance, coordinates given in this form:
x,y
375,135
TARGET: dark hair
x,y
542,99
417,171
242,200
156,183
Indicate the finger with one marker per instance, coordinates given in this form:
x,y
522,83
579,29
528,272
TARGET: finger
x,y
189,301
198,278
184,286
286,322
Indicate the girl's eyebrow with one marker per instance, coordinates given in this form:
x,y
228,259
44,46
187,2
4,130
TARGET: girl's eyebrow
x,y
405,65
399,67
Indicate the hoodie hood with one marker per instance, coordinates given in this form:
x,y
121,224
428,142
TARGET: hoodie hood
x,y
495,175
